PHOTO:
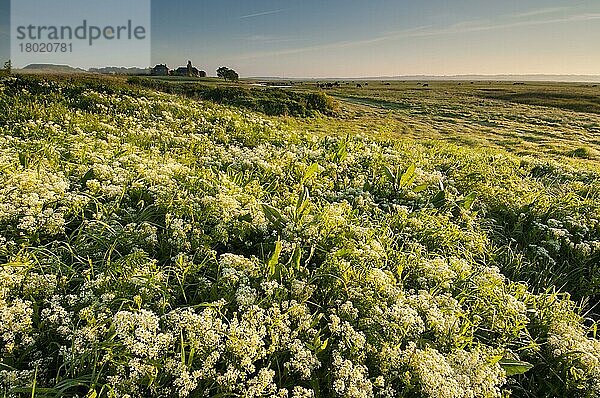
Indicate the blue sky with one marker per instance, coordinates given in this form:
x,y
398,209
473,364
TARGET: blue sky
x,y
354,38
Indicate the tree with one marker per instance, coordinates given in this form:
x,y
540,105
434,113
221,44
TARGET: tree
x,y
227,74
232,75
222,71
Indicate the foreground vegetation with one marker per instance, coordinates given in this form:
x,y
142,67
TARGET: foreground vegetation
x,y
153,245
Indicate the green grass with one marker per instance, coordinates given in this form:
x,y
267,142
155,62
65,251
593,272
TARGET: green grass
x,y
270,101
153,244
586,101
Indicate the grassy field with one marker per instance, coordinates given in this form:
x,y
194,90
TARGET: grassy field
x,y
434,241
551,118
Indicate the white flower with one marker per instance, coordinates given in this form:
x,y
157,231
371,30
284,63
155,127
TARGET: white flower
x,y
302,360
245,296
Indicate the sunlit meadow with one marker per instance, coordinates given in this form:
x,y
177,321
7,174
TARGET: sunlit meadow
x,y
158,246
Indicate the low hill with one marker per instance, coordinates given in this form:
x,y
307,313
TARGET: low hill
x,y
51,68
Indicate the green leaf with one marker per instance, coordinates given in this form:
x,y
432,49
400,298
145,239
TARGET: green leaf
x,y
91,394
324,345
513,368
439,199
310,172
390,174
302,204
296,258
469,200
408,177
182,348
302,198
245,217
273,215
274,260
420,188
316,319
342,152
23,159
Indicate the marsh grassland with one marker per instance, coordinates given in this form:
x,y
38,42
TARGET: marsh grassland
x,y
394,240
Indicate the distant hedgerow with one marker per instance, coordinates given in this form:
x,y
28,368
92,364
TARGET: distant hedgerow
x,y
270,101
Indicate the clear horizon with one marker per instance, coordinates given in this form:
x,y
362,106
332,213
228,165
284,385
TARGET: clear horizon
x,y
354,39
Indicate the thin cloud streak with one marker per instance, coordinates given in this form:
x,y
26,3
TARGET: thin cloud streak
x,y
542,11
260,14
265,39
427,31
461,28
341,44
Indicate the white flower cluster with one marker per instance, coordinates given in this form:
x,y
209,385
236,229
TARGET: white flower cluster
x,y
350,380
569,344
16,324
302,360
24,195
139,332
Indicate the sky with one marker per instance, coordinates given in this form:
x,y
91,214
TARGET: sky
x,y
359,38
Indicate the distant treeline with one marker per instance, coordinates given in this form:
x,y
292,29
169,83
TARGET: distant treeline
x,y
273,102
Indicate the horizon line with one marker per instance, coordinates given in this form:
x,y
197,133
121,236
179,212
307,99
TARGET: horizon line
x,y
466,76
